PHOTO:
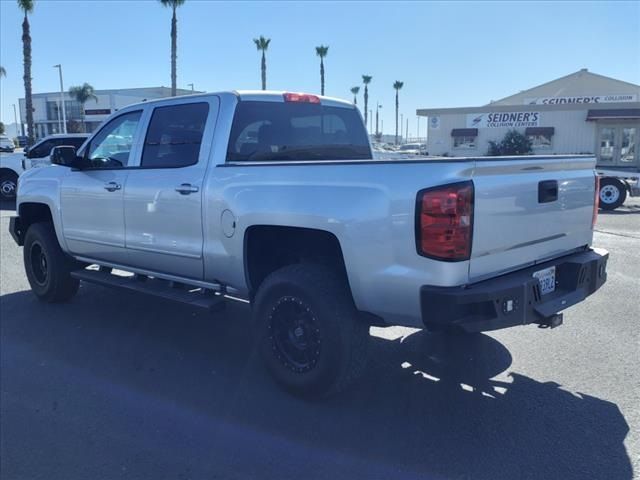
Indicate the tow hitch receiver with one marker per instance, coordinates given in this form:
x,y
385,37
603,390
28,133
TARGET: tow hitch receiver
x,y
551,322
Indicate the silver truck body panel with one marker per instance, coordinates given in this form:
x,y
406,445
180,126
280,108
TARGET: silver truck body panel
x,y
369,206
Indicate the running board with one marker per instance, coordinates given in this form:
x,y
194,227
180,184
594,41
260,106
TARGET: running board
x,y
178,292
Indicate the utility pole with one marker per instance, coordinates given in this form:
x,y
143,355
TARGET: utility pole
x,y
64,110
407,129
15,119
378,107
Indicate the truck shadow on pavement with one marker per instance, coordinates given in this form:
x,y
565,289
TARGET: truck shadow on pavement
x,y
427,407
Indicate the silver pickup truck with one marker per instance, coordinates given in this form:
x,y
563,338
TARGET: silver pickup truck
x,y
274,199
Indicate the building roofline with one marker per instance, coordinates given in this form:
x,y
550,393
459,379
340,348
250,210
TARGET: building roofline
x,y
582,70
426,112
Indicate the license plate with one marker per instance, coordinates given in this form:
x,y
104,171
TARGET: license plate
x,y
547,279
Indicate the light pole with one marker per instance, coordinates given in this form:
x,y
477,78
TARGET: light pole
x,y
190,85
64,110
15,119
378,107
407,129
370,120
418,130
401,125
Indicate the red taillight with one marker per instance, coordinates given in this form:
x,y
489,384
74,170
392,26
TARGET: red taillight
x,y
596,203
301,97
445,222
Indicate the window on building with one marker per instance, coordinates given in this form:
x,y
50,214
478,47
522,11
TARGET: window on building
x,y
540,137
174,136
73,110
464,137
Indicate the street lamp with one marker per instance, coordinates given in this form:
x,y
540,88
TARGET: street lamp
x,y
64,110
401,125
15,119
370,120
190,85
378,107
418,130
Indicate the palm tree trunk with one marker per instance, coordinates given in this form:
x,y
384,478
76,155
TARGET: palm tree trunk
x,y
264,71
366,105
174,54
28,99
321,77
397,107
84,125
355,100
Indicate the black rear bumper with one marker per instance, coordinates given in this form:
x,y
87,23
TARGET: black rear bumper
x,y
515,298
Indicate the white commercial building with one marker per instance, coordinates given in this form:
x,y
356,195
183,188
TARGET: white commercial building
x,y
47,114
580,113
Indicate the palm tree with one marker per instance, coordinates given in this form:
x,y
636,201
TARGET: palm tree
x,y
262,44
397,85
82,94
174,4
322,51
27,7
366,79
3,72
355,91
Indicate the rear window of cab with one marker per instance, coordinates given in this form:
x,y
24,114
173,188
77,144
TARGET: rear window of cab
x,y
296,131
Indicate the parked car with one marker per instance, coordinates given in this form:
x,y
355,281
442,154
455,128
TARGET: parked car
x,y
38,154
274,199
13,165
6,144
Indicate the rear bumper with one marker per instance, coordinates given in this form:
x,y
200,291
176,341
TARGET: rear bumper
x,y
515,299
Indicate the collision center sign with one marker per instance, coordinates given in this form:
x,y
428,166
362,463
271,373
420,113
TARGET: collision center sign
x,y
503,119
581,99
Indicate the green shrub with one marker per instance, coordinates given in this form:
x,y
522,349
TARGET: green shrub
x,y
513,143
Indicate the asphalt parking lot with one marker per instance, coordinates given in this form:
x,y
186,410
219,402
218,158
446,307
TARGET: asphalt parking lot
x,y
114,385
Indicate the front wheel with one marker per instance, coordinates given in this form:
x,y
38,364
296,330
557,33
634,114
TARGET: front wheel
x,y
612,193
8,185
48,268
310,337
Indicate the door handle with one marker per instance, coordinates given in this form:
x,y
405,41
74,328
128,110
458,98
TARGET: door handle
x,y
186,189
112,186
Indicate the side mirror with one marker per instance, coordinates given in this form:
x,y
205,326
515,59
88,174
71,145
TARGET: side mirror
x,y
63,155
25,150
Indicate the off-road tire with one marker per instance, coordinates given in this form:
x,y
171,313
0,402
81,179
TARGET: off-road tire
x,y
48,268
336,338
8,185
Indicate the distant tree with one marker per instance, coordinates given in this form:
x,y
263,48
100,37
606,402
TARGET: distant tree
x,y
513,143
355,91
1,128
398,86
322,51
262,44
174,4
366,79
27,7
82,94
3,72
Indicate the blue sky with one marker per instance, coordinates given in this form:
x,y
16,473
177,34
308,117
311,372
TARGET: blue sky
x,y
447,53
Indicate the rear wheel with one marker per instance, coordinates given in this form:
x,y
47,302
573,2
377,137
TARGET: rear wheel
x,y
612,193
48,268
310,337
8,185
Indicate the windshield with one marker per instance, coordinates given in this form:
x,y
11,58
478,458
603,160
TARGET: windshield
x,y
290,131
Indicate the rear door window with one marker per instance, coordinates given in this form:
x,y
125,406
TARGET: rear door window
x,y
175,135
292,131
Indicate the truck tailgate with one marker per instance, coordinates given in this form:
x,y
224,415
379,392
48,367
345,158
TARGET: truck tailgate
x,y
529,210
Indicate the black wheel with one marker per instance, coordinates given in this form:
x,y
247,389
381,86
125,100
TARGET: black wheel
x,y
47,266
612,193
310,337
8,185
